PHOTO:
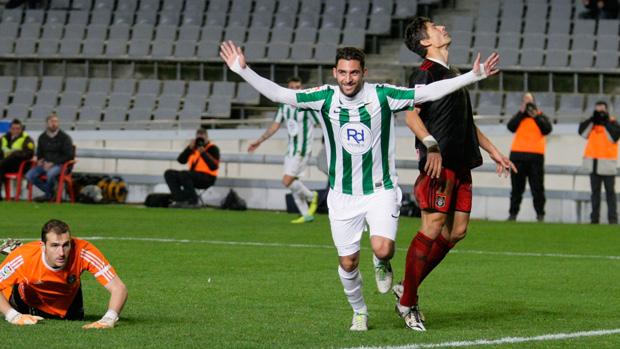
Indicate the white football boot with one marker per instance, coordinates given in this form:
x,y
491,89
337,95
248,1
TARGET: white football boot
x,y
359,322
383,274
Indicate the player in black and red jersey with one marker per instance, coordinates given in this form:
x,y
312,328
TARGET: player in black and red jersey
x,y
444,195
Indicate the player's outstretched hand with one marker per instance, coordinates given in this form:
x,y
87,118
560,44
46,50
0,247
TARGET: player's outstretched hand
x,y
490,65
100,325
231,53
25,319
253,146
503,165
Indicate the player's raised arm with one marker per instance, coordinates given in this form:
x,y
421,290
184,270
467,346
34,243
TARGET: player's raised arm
x,y
438,89
235,59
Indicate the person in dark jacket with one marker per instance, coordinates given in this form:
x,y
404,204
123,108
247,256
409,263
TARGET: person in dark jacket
x,y
530,127
54,148
203,159
16,147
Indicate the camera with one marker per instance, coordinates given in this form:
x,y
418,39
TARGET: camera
x,y
531,109
599,117
199,143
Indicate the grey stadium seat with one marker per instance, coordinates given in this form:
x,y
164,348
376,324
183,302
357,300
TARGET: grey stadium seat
x,y
584,27
510,40
93,48
169,17
301,52
607,59
556,58
40,112
199,88
23,97
173,87
162,49
510,25
223,88
546,102
583,42
212,33
13,15
459,55
486,25
282,35
214,18
47,98
84,5
138,118
531,57
283,21
34,16
329,36
559,26
89,118
51,83
149,5
17,111
9,29
104,4
460,38
163,118
119,32
196,104
127,86
607,43
485,40
30,31
278,51
73,99
146,17
48,47
27,83
185,49
52,31
126,6
489,103
359,7
25,47
533,41
558,42
513,102
67,113
308,20
356,22
114,119
76,84
581,59
97,32
219,106
405,56
208,50
535,26
608,27
192,17
149,87
6,83
74,32
509,57
255,51
69,47
116,48
165,32
6,46
139,48
95,99
78,17
355,38
142,32
593,98
120,100
169,102
101,16
260,35
405,9
325,53
246,94
571,104
144,101
100,85
121,17
462,23
261,20
332,20
235,33
189,32
239,19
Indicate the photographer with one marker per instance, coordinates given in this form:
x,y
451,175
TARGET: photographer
x,y
202,158
530,127
600,158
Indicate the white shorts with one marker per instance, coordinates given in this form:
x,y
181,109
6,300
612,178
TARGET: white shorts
x,y
349,215
295,166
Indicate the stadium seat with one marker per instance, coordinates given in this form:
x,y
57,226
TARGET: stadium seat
x,y
235,33
258,35
199,88
6,83
119,32
608,27
97,32
71,99
570,105
144,101
534,26
120,100
607,43
93,99
146,17
486,25
301,52
69,47
138,118
169,102
405,9
93,48
219,106
509,57
51,84
254,51
278,51
12,15
189,32
212,33
532,57
261,19
486,40
607,59
34,16
74,32
513,103
114,119
591,102
461,38
9,29
556,58
173,87
185,49
48,98
27,83
508,41
282,35
52,31
462,23
246,94
48,47
30,31
25,47
459,55
354,38
356,22
165,32
533,41
121,17
405,56
208,50
6,46
101,16
17,111
325,53
23,97
581,59
78,17
583,42
100,85
40,112
239,19
142,31
584,27
546,102
489,103
76,84
116,48
139,48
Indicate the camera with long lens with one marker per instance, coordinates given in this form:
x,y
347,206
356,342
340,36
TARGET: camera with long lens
x,y
531,109
599,117
199,143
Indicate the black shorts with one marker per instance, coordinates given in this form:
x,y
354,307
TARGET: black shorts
x,y
75,312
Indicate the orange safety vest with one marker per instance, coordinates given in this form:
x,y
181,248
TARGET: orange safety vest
x,y
528,138
599,145
201,165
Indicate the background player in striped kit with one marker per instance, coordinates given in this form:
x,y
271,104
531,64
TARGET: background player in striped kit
x,y
358,125
300,127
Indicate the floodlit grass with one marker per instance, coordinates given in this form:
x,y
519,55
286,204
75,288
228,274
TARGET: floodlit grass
x,y
285,292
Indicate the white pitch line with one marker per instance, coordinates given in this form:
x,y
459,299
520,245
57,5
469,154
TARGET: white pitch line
x,y
505,340
330,247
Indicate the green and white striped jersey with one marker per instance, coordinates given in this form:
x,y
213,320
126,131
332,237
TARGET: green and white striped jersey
x,y
300,126
359,134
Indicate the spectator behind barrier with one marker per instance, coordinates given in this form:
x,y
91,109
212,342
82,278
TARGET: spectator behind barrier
x,y
600,9
54,148
17,146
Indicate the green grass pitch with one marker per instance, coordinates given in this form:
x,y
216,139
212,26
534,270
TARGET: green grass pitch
x,y
220,290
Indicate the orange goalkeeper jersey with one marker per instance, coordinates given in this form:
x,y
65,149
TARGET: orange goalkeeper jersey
x,y
48,289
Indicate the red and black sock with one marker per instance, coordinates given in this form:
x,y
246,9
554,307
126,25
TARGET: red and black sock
x,y
417,257
440,249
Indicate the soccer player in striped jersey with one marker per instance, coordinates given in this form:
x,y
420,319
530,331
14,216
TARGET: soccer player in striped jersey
x,y
357,122
445,197
300,126
41,279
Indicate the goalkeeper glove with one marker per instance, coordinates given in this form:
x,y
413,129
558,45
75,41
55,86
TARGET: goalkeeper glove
x,y
107,321
16,318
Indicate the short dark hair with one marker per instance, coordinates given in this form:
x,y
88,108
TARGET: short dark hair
x,y
52,115
202,131
416,32
294,79
351,54
54,226
17,122
601,103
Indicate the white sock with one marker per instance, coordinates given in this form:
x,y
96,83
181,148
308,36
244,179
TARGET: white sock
x,y
352,283
301,203
298,187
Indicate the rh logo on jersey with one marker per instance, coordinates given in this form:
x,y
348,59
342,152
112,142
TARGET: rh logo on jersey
x,y
356,138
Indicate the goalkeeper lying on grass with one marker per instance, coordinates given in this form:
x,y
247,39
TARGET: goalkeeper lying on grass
x,y
41,279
